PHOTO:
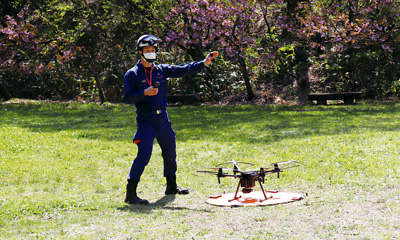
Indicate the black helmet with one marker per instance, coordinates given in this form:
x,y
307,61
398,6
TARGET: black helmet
x,y
146,41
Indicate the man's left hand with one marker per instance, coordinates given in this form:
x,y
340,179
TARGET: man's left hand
x,y
210,57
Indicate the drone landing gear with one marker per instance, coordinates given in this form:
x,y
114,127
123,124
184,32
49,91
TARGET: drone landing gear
x,y
248,184
254,198
250,197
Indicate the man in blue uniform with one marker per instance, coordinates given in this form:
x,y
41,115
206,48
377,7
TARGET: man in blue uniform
x,y
145,85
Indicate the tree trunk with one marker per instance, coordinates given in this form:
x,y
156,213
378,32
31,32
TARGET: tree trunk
x,y
197,54
100,89
302,83
98,82
4,92
245,73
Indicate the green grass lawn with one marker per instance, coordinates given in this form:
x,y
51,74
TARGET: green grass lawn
x,y
63,169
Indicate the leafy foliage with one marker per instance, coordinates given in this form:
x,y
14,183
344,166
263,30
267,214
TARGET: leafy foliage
x,y
33,62
81,49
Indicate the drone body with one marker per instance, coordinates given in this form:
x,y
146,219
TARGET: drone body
x,y
247,180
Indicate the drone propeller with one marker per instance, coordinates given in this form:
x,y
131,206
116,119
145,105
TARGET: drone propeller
x,y
208,172
283,165
286,165
219,174
236,168
224,169
277,168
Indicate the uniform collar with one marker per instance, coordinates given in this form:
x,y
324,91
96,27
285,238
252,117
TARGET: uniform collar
x,y
141,68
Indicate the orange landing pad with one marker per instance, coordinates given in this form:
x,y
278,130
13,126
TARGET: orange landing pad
x,y
255,198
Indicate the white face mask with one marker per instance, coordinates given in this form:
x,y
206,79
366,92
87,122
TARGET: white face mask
x,y
150,56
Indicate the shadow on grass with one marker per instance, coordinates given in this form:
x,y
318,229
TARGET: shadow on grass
x,y
162,203
227,123
264,124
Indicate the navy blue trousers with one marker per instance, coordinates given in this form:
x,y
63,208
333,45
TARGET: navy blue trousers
x,y
149,128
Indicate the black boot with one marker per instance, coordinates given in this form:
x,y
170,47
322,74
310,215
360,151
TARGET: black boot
x,y
131,195
172,188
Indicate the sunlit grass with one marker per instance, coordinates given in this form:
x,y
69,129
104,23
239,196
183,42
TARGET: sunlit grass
x,y
63,169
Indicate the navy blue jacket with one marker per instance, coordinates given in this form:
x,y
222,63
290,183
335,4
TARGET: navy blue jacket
x,y
135,83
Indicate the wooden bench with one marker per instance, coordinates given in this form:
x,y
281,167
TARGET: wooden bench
x,y
347,97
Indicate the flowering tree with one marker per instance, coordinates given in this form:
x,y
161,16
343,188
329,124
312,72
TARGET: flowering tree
x,y
23,51
80,48
232,26
366,33
352,41
351,23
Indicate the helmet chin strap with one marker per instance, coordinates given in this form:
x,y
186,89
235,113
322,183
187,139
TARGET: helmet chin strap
x,y
148,60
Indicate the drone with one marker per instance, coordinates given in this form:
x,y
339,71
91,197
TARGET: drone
x,y
248,179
